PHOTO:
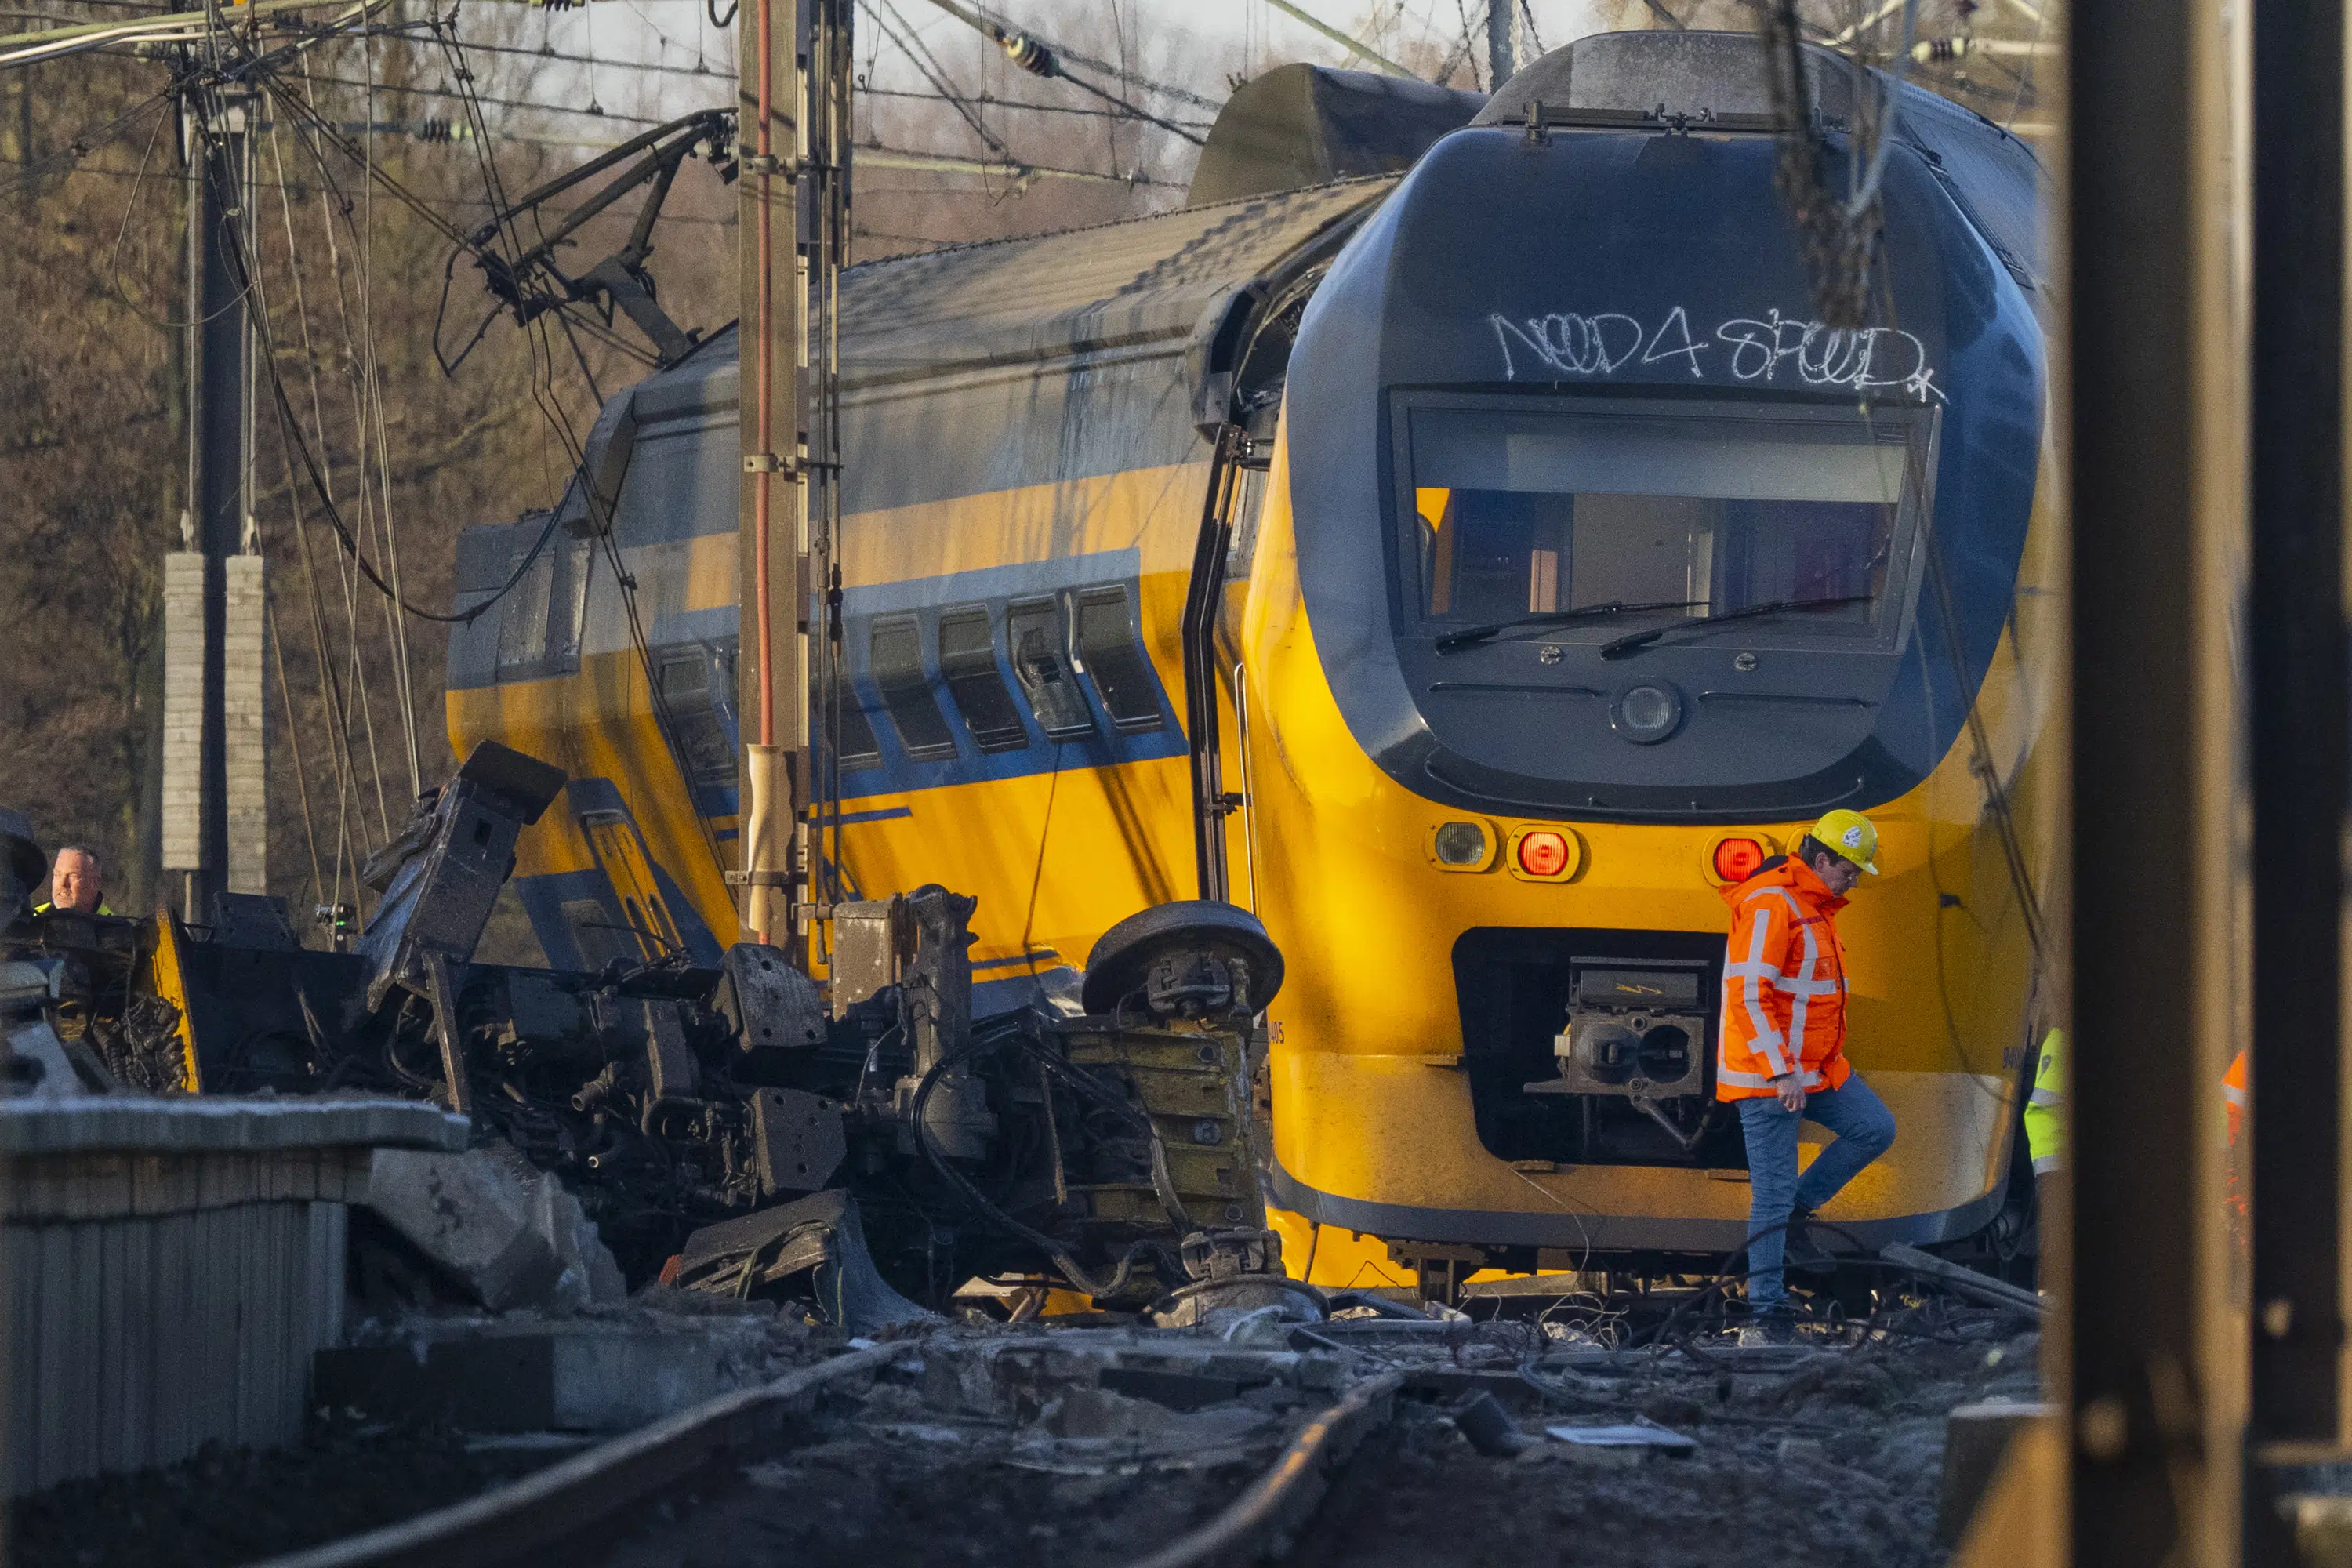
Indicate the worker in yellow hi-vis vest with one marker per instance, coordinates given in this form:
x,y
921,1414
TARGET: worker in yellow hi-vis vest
x,y
2045,1125
2045,1129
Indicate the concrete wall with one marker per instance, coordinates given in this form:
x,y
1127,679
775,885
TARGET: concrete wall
x,y
168,1268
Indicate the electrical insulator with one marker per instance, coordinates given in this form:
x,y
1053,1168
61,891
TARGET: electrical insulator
x,y
1030,55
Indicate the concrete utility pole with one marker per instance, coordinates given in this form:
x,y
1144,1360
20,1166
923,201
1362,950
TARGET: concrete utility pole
x,y
212,726
793,143
1502,17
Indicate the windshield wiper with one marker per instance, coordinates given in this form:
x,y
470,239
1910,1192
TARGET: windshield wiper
x,y
1469,635
1633,642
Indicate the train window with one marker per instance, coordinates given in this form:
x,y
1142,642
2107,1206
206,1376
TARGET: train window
x,y
1041,662
1704,509
895,656
697,696
570,610
1115,657
852,736
968,659
1249,507
523,614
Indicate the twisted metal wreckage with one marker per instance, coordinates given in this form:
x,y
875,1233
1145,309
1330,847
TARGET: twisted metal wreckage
x,y
733,1129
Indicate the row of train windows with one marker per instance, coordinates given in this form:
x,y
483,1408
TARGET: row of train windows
x,y
1046,661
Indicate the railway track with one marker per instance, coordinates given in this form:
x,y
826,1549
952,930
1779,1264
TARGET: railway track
x,y
582,1497
1135,1449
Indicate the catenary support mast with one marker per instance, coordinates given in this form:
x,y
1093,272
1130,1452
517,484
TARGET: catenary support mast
x,y
795,138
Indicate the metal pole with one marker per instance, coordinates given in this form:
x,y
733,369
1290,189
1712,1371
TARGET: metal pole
x,y
2301,733
1500,51
794,111
220,427
769,357
2153,432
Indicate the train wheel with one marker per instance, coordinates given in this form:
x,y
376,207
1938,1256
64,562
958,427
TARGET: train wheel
x,y
1194,958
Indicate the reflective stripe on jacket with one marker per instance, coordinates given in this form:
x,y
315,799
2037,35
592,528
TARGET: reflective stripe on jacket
x,y
2045,1131
2233,1095
1783,982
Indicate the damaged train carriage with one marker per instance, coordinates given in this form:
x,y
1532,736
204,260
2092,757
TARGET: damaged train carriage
x,y
1024,463
1489,762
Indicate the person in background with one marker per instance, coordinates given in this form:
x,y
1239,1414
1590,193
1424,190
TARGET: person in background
x,y
1781,1058
2045,1133
76,884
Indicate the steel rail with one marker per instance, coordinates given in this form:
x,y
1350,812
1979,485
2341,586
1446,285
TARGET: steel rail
x,y
1264,1520
553,1505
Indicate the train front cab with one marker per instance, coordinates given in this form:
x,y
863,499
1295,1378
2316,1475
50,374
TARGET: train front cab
x,y
1467,848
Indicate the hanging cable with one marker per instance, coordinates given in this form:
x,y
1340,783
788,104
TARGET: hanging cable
x,y
330,685
293,737
930,71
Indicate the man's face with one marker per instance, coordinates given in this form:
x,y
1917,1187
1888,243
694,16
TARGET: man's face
x,y
73,883
1839,872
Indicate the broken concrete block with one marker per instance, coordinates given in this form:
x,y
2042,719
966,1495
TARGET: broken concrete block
x,y
1489,1428
1097,1413
1975,1438
513,1235
820,1237
576,1375
997,1375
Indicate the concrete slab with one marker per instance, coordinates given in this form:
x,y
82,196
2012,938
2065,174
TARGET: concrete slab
x,y
512,1234
183,1125
576,1375
172,1265
1975,1438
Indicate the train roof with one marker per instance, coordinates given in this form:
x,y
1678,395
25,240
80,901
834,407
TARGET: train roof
x,y
1115,285
1303,125
1716,78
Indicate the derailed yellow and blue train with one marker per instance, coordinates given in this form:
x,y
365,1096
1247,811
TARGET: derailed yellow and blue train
x,y
1485,426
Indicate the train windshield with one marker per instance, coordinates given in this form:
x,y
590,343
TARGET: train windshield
x,y
1699,510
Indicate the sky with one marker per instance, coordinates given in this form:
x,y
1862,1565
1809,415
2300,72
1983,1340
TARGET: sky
x,y
1195,43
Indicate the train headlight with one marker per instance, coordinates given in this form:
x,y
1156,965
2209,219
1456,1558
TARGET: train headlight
x,y
1647,714
1545,854
1461,846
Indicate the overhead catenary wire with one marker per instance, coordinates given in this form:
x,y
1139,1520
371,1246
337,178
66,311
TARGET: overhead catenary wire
x,y
1043,59
1118,73
876,156
1355,47
185,27
991,100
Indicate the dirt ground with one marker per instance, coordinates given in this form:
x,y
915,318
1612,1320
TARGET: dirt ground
x,y
224,1507
883,1481
1827,1455
1831,1462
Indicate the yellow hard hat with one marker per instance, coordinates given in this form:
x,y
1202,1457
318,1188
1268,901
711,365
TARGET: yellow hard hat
x,y
1851,835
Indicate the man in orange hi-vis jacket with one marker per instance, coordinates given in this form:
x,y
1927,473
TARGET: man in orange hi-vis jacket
x,y
1781,1046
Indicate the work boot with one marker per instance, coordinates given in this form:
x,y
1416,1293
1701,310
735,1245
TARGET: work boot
x,y
1805,1255
1775,1325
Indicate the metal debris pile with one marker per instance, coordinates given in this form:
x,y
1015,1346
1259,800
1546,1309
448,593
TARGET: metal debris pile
x,y
861,1149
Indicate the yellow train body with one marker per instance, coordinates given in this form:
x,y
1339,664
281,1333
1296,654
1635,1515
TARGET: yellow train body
x,y
1070,484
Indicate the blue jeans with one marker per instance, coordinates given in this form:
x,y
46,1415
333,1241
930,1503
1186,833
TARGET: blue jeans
x,y
1865,1129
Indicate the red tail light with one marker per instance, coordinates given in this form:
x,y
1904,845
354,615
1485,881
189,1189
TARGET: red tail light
x,y
1542,854
1736,860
